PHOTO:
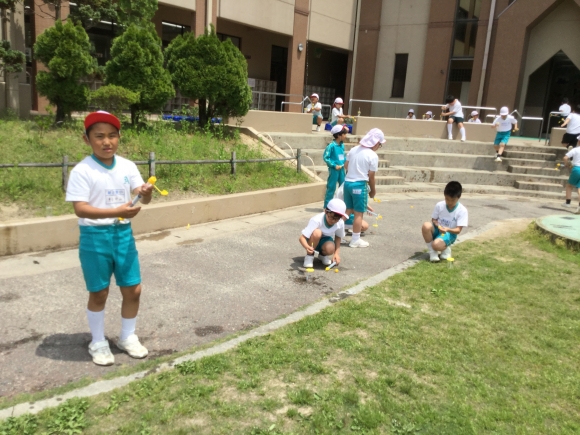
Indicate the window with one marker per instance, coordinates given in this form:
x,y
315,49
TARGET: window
x,y
170,31
235,40
400,75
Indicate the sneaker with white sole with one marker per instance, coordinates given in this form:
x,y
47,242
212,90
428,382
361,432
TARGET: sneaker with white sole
x,y
450,137
133,347
463,139
567,205
309,261
446,253
101,353
498,159
433,256
318,128
360,243
326,259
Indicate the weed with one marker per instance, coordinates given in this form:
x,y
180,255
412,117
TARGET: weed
x,y
68,418
25,425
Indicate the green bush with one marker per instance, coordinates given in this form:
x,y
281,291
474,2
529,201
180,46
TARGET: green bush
x,y
113,99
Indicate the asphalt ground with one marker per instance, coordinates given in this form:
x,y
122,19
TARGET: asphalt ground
x,y
201,284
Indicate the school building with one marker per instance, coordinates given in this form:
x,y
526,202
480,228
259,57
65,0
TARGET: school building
x,y
519,53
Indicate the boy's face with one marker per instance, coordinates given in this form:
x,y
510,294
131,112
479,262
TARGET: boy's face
x,y
503,116
451,202
314,100
104,140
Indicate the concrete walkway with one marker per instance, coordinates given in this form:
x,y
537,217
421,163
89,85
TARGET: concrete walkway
x,y
200,284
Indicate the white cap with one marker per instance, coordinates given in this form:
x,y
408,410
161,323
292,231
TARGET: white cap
x,y
372,138
337,206
315,95
338,101
337,129
474,113
504,111
411,111
429,113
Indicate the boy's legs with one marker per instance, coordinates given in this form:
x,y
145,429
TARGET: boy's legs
x,y
461,130
450,129
328,249
433,241
319,120
314,239
333,177
356,194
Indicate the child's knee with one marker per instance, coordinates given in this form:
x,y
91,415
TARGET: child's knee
x,y
428,226
328,248
316,234
439,245
132,293
98,298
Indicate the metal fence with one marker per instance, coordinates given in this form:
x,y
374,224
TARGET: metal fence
x,y
152,163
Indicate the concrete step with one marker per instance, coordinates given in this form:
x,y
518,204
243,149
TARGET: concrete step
x,y
549,171
508,161
468,189
388,180
316,156
544,187
509,153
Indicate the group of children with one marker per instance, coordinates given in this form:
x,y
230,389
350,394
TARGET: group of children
x,y
337,117
428,116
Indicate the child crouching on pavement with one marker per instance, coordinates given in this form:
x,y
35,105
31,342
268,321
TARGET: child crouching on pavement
x,y
448,219
324,233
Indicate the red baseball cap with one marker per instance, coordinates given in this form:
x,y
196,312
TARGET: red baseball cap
x,y
102,116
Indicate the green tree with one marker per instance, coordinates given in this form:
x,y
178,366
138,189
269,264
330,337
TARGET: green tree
x,y
66,50
137,64
12,61
113,99
213,72
136,11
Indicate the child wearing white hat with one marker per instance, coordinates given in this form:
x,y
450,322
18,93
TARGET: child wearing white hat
x,y
324,233
411,114
503,123
474,118
316,109
455,113
428,116
361,165
337,116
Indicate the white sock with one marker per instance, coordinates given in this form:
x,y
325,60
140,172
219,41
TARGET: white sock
x,y
450,129
355,237
96,325
127,327
462,131
430,246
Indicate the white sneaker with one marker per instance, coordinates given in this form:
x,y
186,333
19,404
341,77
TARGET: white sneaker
x,y
498,159
101,353
309,261
577,211
446,253
567,205
318,128
360,243
450,137
463,139
133,347
433,256
326,259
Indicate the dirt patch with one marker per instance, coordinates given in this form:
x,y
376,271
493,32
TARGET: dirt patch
x,y
12,212
9,297
207,330
155,236
505,228
190,242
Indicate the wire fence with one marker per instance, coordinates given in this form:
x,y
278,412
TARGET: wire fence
x,y
153,162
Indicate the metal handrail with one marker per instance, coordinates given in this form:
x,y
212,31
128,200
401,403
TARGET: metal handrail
x,y
528,118
398,103
260,93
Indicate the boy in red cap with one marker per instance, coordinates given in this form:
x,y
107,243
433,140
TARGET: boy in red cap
x,y
100,189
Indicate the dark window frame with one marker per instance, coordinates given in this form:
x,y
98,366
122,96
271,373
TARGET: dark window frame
x,y
400,75
223,37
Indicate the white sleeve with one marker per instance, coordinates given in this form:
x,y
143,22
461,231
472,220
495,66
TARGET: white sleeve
x,y
78,187
340,232
569,154
435,214
514,121
335,112
318,106
136,179
462,218
309,107
374,163
312,225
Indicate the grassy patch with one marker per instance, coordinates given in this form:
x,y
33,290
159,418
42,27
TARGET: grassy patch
x,y
492,351
35,189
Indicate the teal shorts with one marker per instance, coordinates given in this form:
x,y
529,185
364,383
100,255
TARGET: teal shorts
x,y
315,119
574,178
323,240
502,137
356,195
107,250
448,238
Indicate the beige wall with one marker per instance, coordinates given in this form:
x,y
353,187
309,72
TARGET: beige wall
x,y
404,25
185,4
265,121
546,39
274,15
332,22
257,44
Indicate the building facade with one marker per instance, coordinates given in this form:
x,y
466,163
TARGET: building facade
x,y
516,53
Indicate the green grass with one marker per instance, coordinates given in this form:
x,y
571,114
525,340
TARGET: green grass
x,y
492,351
35,189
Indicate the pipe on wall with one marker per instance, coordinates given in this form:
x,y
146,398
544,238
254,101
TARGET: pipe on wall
x,y
354,53
486,53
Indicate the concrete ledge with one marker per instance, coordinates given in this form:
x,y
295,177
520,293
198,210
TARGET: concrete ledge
x,y
556,136
263,120
62,232
419,128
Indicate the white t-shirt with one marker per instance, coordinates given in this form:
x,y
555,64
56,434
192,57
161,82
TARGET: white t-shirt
x,y
319,222
453,219
91,182
565,109
475,121
573,126
411,117
574,155
504,124
316,109
361,160
455,107
335,112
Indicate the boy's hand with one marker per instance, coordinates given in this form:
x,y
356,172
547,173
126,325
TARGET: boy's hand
x,y
372,193
336,257
338,167
126,211
146,190
369,208
516,129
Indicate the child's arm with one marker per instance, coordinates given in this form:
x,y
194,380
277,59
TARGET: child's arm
x,y
336,256
327,155
516,126
305,245
565,123
455,230
372,191
84,210
145,191
567,161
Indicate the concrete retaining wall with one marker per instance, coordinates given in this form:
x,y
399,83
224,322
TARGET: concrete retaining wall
x,y
556,137
262,120
62,232
420,128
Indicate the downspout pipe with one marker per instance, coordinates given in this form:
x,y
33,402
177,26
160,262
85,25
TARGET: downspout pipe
x,y
486,53
354,54
209,14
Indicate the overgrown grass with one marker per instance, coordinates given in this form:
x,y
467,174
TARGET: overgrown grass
x,y
35,189
488,346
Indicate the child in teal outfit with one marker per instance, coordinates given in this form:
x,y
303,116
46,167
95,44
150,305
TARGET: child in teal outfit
x,y
334,159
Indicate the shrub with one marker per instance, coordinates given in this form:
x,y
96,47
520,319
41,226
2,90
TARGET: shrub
x,y
113,98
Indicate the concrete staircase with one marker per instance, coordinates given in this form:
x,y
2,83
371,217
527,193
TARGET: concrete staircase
x,y
422,164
